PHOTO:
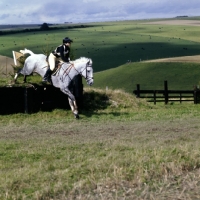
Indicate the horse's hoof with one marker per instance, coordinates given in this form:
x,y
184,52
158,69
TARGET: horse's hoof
x,y
76,116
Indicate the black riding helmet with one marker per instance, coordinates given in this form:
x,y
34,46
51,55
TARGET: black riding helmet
x,y
67,40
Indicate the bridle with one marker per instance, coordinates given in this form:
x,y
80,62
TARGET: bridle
x,y
81,73
86,72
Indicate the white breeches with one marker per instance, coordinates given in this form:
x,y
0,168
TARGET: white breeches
x,y
52,61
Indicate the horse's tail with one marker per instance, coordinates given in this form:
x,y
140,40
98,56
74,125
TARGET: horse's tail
x,y
27,51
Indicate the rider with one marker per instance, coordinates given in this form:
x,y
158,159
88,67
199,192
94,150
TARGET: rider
x,y
61,53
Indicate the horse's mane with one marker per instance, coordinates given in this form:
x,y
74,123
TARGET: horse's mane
x,y
82,59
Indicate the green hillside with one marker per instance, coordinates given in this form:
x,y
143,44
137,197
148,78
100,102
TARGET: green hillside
x,y
111,44
180,76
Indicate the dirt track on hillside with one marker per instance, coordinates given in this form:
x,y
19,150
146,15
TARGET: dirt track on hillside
x,y
176,22
190,59
6,65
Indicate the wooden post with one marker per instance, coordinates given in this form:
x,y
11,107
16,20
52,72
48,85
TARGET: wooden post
x,y
195,97
166,92
25,100
154,97
138,90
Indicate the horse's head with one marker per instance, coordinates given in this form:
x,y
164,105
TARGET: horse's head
x,y
88,72
84,67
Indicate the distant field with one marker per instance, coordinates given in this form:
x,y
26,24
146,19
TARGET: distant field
x,y
6,65
112,44
177,22
190,59
20,26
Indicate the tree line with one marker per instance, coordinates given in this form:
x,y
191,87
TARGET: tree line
x,y
43,27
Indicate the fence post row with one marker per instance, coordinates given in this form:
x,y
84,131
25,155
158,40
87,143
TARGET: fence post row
x,y
194,94
138,91
195,97
166,92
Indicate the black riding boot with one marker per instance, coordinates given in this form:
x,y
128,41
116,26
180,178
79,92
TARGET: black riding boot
x,y
47,76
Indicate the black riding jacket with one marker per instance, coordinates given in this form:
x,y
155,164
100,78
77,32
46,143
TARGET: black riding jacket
x,y
62,52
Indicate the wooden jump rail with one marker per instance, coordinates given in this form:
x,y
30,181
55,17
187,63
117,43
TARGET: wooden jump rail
x,y
167,95
35,98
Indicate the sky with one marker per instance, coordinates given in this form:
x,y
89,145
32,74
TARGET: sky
x,y
79,11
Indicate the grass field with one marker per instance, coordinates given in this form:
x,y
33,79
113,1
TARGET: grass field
x,y
122,147
112,44
180,76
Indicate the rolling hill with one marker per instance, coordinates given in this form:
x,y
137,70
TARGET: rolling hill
x,y
125,53
180,76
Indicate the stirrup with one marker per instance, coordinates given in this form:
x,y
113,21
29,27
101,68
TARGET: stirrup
x,y
44,80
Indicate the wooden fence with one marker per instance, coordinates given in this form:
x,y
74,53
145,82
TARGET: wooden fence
x,y
168,95
36,98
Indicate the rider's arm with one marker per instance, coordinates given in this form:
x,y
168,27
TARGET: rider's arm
x,y
64,57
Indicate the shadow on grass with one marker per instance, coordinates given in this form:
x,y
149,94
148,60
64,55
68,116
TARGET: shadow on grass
x,y
100,114
93,101
96,103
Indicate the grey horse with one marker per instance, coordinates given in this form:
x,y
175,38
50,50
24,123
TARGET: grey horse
x,y
64,75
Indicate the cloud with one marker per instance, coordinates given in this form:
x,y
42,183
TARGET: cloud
x,y
50,11
89,1
4,16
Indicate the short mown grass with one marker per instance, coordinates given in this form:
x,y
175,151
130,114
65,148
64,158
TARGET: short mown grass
x,y
124,148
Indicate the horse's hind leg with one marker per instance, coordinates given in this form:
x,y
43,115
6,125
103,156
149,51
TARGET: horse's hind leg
x,y
16,76
24,80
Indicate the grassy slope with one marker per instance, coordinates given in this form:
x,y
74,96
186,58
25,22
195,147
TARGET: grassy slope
x,y
150,76
111,44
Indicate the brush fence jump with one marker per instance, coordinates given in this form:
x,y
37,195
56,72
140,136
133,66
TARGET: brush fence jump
x,y
34,98
168,95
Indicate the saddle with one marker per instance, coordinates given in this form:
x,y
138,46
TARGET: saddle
x,y
58,64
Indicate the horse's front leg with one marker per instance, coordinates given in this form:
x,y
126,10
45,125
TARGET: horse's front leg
x,y
24,80
72,101
74,107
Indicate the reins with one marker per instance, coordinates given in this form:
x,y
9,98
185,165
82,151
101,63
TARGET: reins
x,y
67,71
